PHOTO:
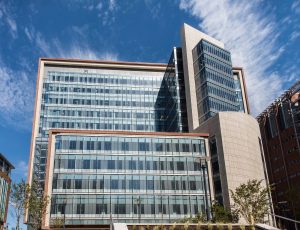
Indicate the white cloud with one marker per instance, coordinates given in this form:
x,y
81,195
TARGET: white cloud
x,y
106,12
99,6
154,7
7,16
296,6
295,35
16,98
251,34
29,32
43,44
12,24
112,5
54,48
84,52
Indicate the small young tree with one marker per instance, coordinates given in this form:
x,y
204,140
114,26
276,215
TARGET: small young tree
x,y
251,201
37,205
18,200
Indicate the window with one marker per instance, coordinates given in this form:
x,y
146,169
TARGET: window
x,y
86,164
150,184
192,185
162,165
78,184
111,164
97,164
90,145
71,164
132,165
94,184
114,184
159,147
98,146
101,208
143,146
215,167
134,184
120,209
180,166
72,145
176,208
141,165
185,147
67,184
107,145
125,146
80,209
217,185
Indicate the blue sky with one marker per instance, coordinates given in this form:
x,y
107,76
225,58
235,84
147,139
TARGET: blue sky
x,y
263,37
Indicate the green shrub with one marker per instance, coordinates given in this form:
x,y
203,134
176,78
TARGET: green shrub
x,y
134,227
229,226
220,227
242,227
210,227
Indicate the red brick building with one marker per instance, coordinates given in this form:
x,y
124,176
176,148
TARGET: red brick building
x,y
280,131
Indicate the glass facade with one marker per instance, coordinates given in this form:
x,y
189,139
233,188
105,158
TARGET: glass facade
x,y
133,178
171,96
105,99
5,170
215,86
100,101
238,92
4,186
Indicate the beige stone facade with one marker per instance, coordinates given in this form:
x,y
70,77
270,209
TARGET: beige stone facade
x,y
237,136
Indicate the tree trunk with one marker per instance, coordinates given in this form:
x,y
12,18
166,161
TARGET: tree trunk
x,y
18,223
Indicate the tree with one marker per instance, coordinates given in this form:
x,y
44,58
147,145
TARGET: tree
x,y
18,200
58,222
25,197
37,205
222,215
251,201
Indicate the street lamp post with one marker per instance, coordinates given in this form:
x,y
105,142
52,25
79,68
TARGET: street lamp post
x,y
65,204
204,167
138,202
110,217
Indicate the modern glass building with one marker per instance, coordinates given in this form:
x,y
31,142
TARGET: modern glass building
x,y
5,181
120,141
215,86
126,176
212,85
130,98
120,96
